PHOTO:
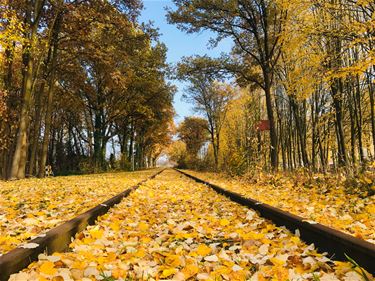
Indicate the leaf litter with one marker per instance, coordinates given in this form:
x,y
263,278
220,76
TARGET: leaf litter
x,y
173,228
323,200
32,206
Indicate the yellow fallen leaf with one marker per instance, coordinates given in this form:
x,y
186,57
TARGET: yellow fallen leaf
x,y
143,226
96,233
190,270
222,270
173,260
48,268
168,272
295,239
51,206
277,261
79,265
224,222
203,250
118,273
115,226
145,239
140,253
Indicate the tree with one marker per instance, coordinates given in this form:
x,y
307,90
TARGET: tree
x,y
32,15
254,26
177,153
53,54
193,132
209,96
76,75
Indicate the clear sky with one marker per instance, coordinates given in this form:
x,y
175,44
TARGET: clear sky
x,y
179,44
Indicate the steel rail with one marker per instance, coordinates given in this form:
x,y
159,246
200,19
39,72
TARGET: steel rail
x,y
58,238
326,239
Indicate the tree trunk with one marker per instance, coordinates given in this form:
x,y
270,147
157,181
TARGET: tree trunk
x,y
336,89
216,162
358,113
19,157
300,131
372,109
36,130
273,135
51,86
98,141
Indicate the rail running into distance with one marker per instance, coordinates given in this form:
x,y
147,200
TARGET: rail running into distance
x,y
58,239
336,243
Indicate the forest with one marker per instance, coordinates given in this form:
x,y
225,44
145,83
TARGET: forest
x,y
86,87
76,75
269,177
303,90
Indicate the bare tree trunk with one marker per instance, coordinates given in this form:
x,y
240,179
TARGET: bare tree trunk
x,y
313,133
51,86
337,102
358,113
300,131
214,149
19,158
273,135
36,132
372,108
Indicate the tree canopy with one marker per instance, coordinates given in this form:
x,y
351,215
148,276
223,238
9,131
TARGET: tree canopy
x,y
80,77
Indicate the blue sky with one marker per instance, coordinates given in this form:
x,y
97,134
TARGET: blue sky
x,y
179,44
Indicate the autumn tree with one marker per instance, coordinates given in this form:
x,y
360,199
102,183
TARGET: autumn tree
x,y
254,26
193,131
177,153
209,96
31,16
73,71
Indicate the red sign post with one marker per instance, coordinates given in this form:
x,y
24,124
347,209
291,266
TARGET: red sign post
x,y
263,125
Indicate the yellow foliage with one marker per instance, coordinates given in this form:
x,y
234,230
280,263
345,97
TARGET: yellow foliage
x,y
143,226
173,260
224,222
48,268
197,247
37,205
203,250
96,233
168,272
190,270
334,208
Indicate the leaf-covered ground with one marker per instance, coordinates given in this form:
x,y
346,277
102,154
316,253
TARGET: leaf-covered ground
x,y
172,228
30,207
323,199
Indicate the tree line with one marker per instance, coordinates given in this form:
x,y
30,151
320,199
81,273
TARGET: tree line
x,y
304,68
79,78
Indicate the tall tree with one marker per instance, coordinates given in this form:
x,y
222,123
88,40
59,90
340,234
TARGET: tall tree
x,y
254,26
193,132
209,96
32,15
72,72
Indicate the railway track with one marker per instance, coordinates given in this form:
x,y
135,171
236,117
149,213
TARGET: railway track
x,y
58,239
336,243
326,239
